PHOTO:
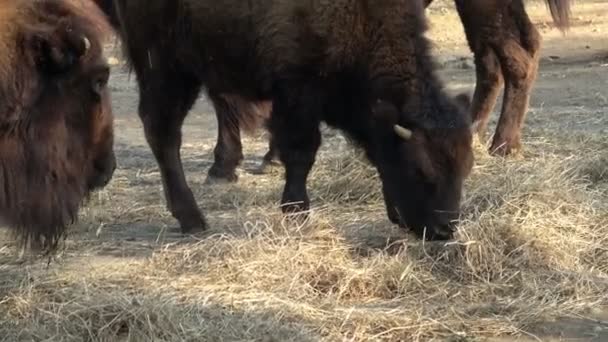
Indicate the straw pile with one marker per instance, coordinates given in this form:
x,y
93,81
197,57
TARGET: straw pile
x,y
532,245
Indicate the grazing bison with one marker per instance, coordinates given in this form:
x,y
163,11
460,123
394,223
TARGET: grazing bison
x,y
506,47
361,66
56,137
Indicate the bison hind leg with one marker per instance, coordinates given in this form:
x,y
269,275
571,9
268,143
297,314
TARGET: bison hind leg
x,y
519,68
271,161
519,61
228,151
488,84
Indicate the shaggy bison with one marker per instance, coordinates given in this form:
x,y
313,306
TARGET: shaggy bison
x,y
506,46
361,66
56,137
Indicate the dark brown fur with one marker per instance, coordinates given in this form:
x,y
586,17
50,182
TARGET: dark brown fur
x,y
506,46
56,131
494,28
361,66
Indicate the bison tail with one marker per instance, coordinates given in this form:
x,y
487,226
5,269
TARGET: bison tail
x,y
248,115
560,11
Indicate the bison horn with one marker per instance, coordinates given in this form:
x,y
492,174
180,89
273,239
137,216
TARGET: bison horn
x,y
403,132
87,44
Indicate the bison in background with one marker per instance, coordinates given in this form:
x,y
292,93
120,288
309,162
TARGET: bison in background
x,y
361,66
506,46
56,134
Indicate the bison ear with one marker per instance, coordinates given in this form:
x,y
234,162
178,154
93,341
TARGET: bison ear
x,y
59,51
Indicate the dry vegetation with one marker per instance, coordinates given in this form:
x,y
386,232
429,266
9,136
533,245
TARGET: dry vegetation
x,y
533,247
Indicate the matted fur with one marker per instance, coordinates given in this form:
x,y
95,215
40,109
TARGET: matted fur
x,y
52,138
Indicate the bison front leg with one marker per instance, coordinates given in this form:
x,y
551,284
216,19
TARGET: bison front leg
x,y
295,126
164,102
228,152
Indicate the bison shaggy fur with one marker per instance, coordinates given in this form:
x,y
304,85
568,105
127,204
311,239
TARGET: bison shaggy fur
x,y
359,65
56,134
506,47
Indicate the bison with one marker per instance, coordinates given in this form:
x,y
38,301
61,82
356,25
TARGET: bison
x,y
56,134
506,47
361,66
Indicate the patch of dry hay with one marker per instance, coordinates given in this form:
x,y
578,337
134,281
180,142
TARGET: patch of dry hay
x,y
532,245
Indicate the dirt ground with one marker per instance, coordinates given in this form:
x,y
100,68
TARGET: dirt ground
x,y
127,223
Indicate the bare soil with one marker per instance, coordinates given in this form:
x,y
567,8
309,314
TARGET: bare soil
x,y
126,244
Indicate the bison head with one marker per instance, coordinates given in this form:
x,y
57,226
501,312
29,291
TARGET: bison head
x,y
422,166
73,107
56,129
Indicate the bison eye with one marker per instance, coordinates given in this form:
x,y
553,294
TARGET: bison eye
x,y
98,86
100,81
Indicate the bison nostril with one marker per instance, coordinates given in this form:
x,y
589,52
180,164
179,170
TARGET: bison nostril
x,y
447,218
99,168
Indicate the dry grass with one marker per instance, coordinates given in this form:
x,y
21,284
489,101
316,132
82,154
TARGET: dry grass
x,y
532,245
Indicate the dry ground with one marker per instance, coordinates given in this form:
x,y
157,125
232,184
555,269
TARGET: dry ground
x,y
530,261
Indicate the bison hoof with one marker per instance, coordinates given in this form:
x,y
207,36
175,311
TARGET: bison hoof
x,y
295,207
267,167
191,223
436,233
217,175
193,228
502,150
482,135
296,212
503,147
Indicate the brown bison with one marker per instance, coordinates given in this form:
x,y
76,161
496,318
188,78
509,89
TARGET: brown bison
x,y
56,136
506,48
361,66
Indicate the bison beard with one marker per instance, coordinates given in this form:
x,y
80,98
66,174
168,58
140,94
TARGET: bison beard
x,y
55,121
358,65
